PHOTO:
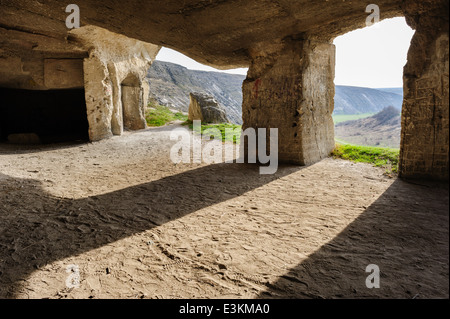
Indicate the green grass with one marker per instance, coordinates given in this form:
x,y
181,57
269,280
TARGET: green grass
x,y
207,129
158,115
377,156
344,118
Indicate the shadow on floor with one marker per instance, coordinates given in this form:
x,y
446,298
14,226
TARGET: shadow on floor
x,y
37,228
405,233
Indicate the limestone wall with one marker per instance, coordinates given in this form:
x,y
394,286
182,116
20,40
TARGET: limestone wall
x,y
217,33
35,61
425,115
114,74
92,58
291,88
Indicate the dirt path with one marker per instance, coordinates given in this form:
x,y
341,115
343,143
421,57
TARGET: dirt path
x,y
132,224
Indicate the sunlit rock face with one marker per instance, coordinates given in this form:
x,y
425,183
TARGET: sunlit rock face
x,y
114,79
206,109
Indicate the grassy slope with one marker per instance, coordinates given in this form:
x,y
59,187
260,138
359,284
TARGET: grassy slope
x,y
208,129
377,156
387,158
158,115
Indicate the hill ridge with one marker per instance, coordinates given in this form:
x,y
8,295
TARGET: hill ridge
x,y
170,85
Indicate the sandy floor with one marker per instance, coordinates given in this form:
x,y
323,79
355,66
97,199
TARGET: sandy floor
x,y
128,223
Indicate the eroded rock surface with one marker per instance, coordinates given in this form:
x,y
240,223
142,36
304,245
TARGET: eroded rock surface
x,y
425,116
206,109
292,90
110,67
116,89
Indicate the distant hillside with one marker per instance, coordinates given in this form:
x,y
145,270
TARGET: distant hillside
x,y
383,129
170,85
358,100
398,91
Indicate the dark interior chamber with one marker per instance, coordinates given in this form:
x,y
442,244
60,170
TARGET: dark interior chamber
x,y
54,115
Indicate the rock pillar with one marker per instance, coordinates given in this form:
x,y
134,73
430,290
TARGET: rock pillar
x,y
99,101
425,115
290,87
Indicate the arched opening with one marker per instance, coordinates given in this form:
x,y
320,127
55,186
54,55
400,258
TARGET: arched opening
x,y
173,76
132,103
369,84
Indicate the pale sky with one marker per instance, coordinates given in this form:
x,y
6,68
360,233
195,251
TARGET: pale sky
x,y
169,55
374,56
371,57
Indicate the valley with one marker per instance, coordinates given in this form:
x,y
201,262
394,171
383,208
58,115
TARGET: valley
x,y
170,85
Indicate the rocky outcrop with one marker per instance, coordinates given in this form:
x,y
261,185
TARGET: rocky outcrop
x,y
206,109
170,85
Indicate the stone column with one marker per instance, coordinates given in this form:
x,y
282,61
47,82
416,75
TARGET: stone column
x,y
290,87
99,102
425,115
